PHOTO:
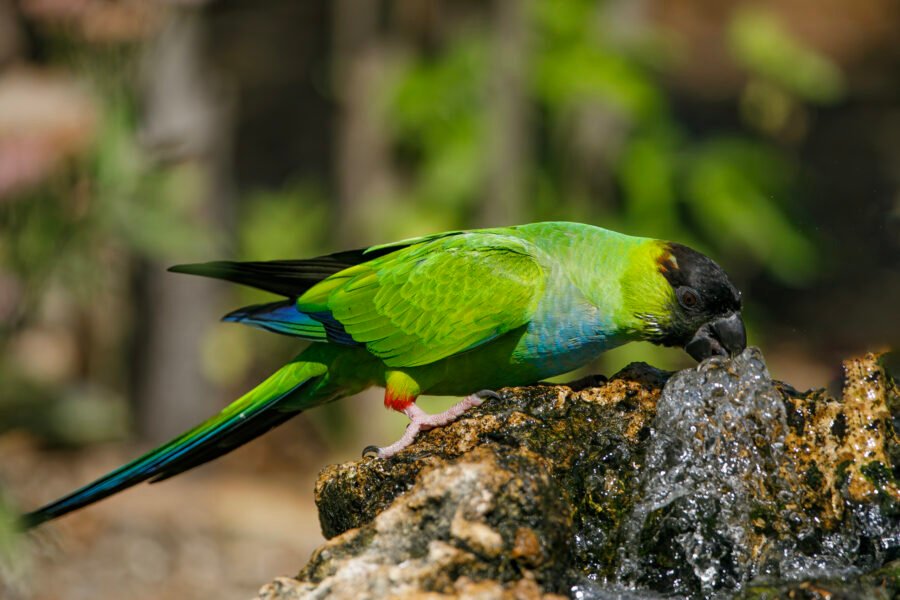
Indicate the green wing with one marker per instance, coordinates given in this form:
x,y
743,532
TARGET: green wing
x,y
434,299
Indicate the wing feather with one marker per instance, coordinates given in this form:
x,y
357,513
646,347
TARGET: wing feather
x,y
434,299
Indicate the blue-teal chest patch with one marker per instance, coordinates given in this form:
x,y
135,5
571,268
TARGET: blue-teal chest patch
x,y
565,334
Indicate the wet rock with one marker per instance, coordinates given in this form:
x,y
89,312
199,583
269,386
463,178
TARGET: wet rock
x,y
881,584
577,430
454,529
841,448
710,482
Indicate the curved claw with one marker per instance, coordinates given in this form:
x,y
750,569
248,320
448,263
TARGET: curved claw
x,y
370,450
485,394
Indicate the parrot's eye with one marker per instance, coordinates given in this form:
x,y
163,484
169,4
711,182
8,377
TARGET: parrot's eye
x,y
688,297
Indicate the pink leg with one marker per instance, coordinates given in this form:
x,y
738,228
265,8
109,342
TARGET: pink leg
x,y
419,420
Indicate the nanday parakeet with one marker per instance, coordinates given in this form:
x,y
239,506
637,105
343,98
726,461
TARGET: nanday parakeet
x,y
448,314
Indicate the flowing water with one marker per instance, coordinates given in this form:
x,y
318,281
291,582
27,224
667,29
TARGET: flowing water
x,y
718,505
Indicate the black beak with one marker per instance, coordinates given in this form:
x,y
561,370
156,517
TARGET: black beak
x,y
724,336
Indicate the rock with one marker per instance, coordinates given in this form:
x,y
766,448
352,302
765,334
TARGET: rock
x,y
572,427
881,584
711,481
459,520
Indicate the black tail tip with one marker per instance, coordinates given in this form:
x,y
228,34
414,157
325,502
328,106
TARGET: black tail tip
x,y
33,519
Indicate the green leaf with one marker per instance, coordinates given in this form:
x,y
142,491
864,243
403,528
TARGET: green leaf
x,y
761,44
732,187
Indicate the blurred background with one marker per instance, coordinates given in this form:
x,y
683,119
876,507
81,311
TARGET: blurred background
x,y
139,134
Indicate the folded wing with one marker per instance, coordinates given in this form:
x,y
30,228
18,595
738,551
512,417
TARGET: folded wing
x,y
433,300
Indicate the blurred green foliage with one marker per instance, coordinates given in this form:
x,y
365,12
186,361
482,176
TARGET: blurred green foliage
x,y
761,44
68,252
113,201
580,58
435,108
729,194
732,185
14,562
301,208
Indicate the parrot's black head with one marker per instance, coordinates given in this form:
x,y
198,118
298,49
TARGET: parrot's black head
x,y
706,311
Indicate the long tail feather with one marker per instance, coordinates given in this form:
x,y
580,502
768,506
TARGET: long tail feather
x,y
271,403
290,277
284,277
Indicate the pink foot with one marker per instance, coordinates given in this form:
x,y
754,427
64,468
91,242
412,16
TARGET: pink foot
x,y
419,420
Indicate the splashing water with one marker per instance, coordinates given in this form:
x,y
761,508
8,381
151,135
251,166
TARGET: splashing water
x,y
718,502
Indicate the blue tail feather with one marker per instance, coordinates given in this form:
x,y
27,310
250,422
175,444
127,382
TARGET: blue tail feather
x,y
279,317
239,423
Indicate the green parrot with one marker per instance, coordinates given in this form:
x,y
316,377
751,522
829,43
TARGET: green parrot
x,y
448,314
